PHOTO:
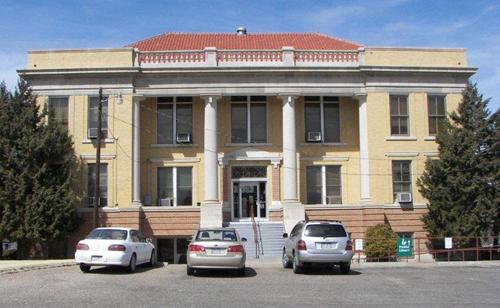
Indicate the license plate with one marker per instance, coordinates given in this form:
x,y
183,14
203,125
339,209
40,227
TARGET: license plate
x,y
96,258
326,245
216,251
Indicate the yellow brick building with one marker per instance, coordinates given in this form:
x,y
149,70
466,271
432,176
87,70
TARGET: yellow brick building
x,y
214,129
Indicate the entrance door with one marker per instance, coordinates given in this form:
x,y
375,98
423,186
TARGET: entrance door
x,y
251,200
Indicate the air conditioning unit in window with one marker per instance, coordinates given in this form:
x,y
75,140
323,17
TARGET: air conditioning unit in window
x,y
92,133
183,138
166,202
313,136
404,197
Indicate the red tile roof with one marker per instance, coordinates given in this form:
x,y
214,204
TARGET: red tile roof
x,y
228,41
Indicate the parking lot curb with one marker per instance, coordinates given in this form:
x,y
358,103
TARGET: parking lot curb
x,y
25,268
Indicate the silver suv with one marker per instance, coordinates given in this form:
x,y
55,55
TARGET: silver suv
x,y
323,242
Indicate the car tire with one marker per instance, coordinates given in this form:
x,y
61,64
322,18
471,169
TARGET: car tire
x,y
152,259
345,268
189,270
297,268
132,264
85,268
285,261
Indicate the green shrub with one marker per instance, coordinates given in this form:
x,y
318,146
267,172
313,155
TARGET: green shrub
x,y
380,242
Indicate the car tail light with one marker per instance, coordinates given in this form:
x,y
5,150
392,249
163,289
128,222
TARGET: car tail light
x,y
301,245
348,246
195,248
117,248
82,246
236,248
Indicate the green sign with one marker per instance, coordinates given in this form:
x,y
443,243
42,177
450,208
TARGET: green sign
x,y
405,246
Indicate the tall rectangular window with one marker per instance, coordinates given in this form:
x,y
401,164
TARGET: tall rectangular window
x,y
401,176
399,114
174,120
248,119
58,108
437,113
175,186
322,119
323,185
93,113
103,184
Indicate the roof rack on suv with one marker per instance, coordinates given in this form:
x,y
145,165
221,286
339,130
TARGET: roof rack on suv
x,y
324,220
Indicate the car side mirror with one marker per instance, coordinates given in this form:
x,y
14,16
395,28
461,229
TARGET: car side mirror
x,y
243,239
285,235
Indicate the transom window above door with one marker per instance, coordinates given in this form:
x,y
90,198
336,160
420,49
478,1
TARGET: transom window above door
x,y
238,172
174,120
248,119
322,119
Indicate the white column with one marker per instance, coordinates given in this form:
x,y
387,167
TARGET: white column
x,y
211,208
289,150
364,163
210,150
136,167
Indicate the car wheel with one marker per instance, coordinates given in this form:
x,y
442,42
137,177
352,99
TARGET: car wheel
x,y
132,264
189,270
345,268
152,259
85,268
285,260
297,268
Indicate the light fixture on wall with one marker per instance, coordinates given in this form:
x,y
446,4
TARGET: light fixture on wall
x,y
119,98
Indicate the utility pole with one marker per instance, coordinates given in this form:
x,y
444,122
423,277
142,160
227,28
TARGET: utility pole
x,y
97,173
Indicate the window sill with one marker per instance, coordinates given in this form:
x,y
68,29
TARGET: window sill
x,y
179,208
248,144
430,138
401,138
107,140
177,145
323,144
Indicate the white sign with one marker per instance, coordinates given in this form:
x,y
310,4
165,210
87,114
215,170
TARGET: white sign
x,y
358,244
448,242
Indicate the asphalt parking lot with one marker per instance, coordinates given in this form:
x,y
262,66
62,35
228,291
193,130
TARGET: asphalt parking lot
x,y
263,285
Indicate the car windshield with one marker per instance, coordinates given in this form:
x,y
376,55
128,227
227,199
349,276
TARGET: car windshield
x,y
216,235
107,234
325,230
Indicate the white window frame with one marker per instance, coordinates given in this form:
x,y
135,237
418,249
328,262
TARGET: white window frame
x,y
322,119
249,124
174,185
323,182
174,104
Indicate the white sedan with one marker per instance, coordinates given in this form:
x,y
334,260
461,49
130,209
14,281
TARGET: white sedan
x,y
114,246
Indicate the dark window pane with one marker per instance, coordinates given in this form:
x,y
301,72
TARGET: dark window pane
x,y
165,99
332,122
395,126
58,108
313,181
403,106
432,126
333,185
238,98
403,126
184,118
394,105
103,184
165,184
164,124
325,230
331,99
239,123
258,98
312,99
440,106
184,99
184,186
93,111
312,117
258,117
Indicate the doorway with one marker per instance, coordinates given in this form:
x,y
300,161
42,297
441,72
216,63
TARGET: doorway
x,y
249,200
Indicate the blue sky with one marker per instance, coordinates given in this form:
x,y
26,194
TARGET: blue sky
x,y
49,24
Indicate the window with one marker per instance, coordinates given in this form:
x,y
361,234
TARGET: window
x,y
58,108
399,114
401,177
248,119
322,119
325,230
437,113
175,186
103,185
93,112
323,185
174,120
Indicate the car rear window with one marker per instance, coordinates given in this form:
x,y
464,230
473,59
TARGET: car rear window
x,y
107,234
216,235
325,230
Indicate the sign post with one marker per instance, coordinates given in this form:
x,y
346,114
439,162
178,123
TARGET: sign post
x,y
405,246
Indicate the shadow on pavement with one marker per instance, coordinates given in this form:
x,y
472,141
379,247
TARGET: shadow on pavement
x,y
327,271
249,272
119,270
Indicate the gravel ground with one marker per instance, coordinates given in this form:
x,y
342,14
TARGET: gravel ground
x,y
263,285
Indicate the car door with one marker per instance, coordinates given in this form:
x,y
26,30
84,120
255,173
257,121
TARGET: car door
x,y
144,247
135,245
291,240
